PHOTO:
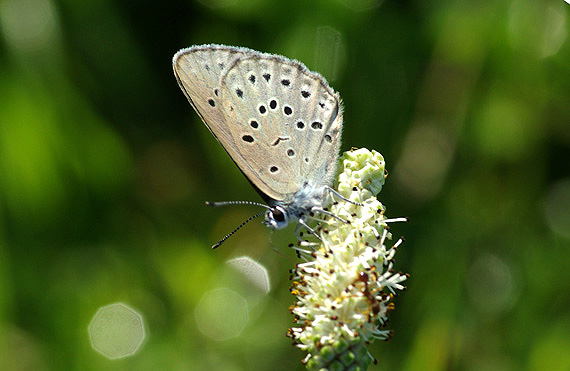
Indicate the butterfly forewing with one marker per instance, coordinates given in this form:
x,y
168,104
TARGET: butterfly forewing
x,y
198,71
286,123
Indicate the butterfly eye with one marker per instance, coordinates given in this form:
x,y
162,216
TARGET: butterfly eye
x,y
278,215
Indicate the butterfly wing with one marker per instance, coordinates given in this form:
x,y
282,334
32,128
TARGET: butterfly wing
x,y
286,123
198,71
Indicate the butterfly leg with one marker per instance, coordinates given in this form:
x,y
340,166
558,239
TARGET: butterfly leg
x,y
298,233
334,192
307,227
326,212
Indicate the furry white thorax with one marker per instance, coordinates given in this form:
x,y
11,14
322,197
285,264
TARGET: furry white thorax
x,y
303,202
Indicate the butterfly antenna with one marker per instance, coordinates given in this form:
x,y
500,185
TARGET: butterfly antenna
x,y
217,244
227,203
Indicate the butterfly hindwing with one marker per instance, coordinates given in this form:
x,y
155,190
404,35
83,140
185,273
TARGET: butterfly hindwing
x,y
287,121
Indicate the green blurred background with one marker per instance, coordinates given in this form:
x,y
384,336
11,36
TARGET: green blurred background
x,y
104,169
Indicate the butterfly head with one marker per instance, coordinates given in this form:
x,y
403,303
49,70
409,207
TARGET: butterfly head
x,y
276,217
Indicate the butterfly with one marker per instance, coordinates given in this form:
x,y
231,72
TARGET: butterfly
x,y
279,122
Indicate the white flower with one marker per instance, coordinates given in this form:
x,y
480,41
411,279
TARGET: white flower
x,y
346,283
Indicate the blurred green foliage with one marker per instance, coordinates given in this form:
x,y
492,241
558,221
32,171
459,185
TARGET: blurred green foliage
x,y
104,169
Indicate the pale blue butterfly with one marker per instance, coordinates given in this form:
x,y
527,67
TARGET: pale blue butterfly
x,y
279,122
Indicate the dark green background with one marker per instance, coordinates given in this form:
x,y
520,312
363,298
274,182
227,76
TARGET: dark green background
x,y
104,168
